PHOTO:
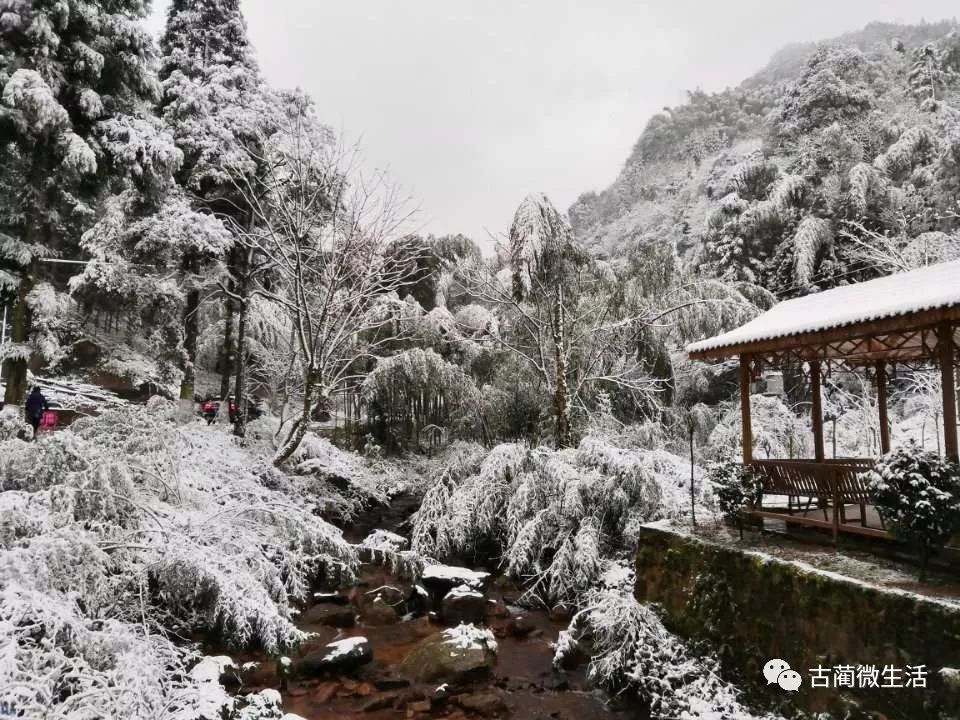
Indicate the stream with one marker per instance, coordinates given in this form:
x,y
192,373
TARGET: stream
x,y
519,682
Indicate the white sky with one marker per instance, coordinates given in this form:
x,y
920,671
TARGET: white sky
x,y
472,104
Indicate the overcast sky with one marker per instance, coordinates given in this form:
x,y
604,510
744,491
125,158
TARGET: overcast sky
x,y
472,104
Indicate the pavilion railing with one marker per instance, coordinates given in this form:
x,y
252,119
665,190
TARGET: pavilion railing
x,y
826,486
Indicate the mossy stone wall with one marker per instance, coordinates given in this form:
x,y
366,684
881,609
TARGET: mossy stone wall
x,y
752,608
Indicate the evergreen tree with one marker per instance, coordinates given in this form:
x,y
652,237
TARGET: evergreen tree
x,y
76,87
216,104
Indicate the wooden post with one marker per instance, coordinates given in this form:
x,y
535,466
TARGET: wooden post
x,y
745,409
837,509
882,406
945,346
816,410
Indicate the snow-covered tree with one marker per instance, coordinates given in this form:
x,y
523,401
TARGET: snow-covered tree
x,y
76,90
324,229
934,66
834,86
581,325
218,108
407,392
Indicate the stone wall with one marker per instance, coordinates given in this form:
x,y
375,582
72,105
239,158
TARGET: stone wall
x,y
751,608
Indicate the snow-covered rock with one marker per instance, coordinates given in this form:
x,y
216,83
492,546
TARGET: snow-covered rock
x,y
340,656
437,578
385,540
463,605
451,656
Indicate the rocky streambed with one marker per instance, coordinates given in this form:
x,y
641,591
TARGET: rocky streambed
x,y
456,644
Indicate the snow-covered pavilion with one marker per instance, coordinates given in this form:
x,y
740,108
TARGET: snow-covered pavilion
x,y
909,317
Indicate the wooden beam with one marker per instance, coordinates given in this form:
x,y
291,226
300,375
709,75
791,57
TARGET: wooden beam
x,y
947,380
824,524
910,322
745,409
816,414
882,406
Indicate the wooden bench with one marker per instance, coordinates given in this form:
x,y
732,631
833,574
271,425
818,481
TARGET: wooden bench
x,y
832,484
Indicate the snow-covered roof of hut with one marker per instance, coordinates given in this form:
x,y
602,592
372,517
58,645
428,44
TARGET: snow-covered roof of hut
x,y
929,288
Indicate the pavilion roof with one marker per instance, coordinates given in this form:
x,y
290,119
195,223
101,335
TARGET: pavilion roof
x,y
886,318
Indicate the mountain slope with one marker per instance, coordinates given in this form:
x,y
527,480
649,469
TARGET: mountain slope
x,y
786,179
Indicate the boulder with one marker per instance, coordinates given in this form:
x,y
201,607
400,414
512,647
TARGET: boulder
x,y
380,702
384,540
333,598
386,593
463,605
341,616
441,579
519,627
378,613
497,609
336,657
417,602
488,704
451,656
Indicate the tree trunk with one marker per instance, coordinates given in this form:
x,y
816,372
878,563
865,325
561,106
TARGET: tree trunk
x,y
191,334
560,404
693,500
240,386
16,390
322,407
301,424
35,231
226,352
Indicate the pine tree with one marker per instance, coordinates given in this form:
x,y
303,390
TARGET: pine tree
x,y
219,110
76,87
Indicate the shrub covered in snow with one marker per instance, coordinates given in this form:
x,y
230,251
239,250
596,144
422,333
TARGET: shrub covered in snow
x,y
125,531
552,514
12,423
632,650
918,494
736,489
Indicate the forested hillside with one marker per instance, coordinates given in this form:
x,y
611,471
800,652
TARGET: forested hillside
x,y
800,177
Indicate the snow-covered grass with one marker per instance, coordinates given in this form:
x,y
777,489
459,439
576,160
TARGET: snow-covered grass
x,y
127,534
554,515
